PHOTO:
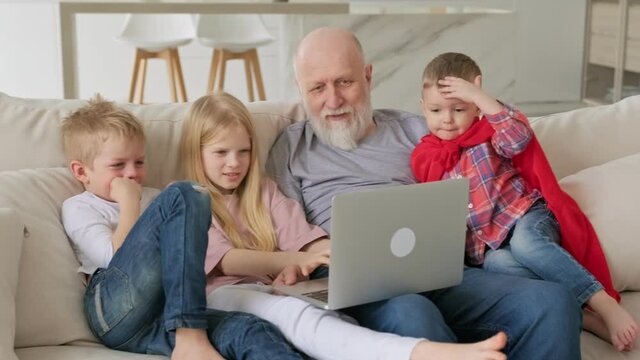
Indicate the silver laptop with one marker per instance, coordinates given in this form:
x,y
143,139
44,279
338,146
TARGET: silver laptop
x,y
391,241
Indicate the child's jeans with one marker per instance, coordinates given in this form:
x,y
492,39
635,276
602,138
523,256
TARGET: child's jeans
x,y
532,250
155,283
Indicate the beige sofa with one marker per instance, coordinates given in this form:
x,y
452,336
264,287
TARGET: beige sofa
x,y
595,151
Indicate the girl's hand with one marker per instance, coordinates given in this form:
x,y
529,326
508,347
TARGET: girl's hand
x,y
309,261
290,275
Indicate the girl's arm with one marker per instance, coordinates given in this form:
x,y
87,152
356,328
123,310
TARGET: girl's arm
x,y
244,262
321,245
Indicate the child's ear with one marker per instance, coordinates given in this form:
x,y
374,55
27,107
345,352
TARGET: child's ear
x,y
478,81
79,171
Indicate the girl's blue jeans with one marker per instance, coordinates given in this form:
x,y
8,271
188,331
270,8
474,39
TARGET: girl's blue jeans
x,y
155,283
533,250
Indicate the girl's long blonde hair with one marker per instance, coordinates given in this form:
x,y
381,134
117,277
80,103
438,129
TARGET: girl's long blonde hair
x,y
209,117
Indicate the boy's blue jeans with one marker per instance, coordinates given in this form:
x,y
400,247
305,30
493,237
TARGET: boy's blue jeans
x,y
155,283
533,251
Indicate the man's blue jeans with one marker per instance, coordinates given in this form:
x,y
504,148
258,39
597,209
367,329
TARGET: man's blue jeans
x,y
155,283
533,250
542,319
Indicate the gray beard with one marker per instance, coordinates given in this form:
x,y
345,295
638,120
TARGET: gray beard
x,y
343,135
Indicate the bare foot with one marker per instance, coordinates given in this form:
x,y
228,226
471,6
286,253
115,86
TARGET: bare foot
x,y
622,328
484,350
193,344
593,323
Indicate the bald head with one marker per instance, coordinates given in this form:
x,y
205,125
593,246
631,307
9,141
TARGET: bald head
x,y
328,42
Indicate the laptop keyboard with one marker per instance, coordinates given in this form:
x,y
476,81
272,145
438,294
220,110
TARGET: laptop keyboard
x,y
321,295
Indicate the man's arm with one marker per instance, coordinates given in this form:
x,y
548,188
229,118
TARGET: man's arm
x,y
278,167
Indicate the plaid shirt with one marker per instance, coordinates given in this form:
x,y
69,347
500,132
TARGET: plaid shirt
x,y
499,195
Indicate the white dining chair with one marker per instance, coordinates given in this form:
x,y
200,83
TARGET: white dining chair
x,y
157,36
234,36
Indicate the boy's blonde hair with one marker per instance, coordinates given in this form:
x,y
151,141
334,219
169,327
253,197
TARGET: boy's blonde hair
x,y
85,130
209,117
449,64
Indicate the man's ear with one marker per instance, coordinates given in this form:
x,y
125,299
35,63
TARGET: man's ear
x,y
478,81
79,171
368,73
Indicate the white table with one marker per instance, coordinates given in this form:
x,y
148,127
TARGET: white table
x,y
70,8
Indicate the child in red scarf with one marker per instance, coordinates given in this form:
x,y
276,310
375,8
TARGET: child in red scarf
x,y
518,214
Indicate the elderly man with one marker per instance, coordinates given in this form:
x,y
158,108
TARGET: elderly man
x,y
346,146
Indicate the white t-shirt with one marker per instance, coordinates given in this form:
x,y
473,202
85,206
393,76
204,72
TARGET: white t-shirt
x,y
90,222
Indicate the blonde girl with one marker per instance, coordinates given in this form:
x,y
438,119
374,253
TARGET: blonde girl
x,y
258,235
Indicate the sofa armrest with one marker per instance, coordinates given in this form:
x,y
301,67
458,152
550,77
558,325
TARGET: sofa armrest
x,y
11,236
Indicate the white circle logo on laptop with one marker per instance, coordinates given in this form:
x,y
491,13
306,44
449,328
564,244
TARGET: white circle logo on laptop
x,y
402,242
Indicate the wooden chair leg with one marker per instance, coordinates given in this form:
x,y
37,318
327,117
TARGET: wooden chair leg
x,y
166,55
177,68
223,68
134,77
215,65
247,71
143,78
258,73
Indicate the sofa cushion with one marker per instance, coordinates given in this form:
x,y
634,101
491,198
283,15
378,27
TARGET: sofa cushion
x,y
28,124
583,138
50,291
609,194
97,352
11,245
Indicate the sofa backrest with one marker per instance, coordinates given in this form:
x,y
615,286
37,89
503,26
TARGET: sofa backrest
x,y
579,139
30,132
30,135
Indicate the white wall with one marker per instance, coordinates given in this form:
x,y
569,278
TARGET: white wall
x,y
548,55
549,49
29,50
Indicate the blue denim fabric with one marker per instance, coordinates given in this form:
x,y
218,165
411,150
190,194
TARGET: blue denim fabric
x,y
155,283
533,251
541,319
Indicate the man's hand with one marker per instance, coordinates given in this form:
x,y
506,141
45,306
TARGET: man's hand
x,y
125,190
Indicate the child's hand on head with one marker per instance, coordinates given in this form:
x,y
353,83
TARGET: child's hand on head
x,y
470,92
458,88
125,189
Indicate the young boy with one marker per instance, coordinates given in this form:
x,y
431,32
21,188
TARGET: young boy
x,y
146,281
514,195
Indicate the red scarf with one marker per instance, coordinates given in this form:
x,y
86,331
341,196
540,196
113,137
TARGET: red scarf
x,y
433,157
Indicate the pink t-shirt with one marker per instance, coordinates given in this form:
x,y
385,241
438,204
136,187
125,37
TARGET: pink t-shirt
x,y
290,225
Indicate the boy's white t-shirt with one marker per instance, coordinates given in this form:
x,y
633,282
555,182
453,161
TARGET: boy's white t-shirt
x,y
90,222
